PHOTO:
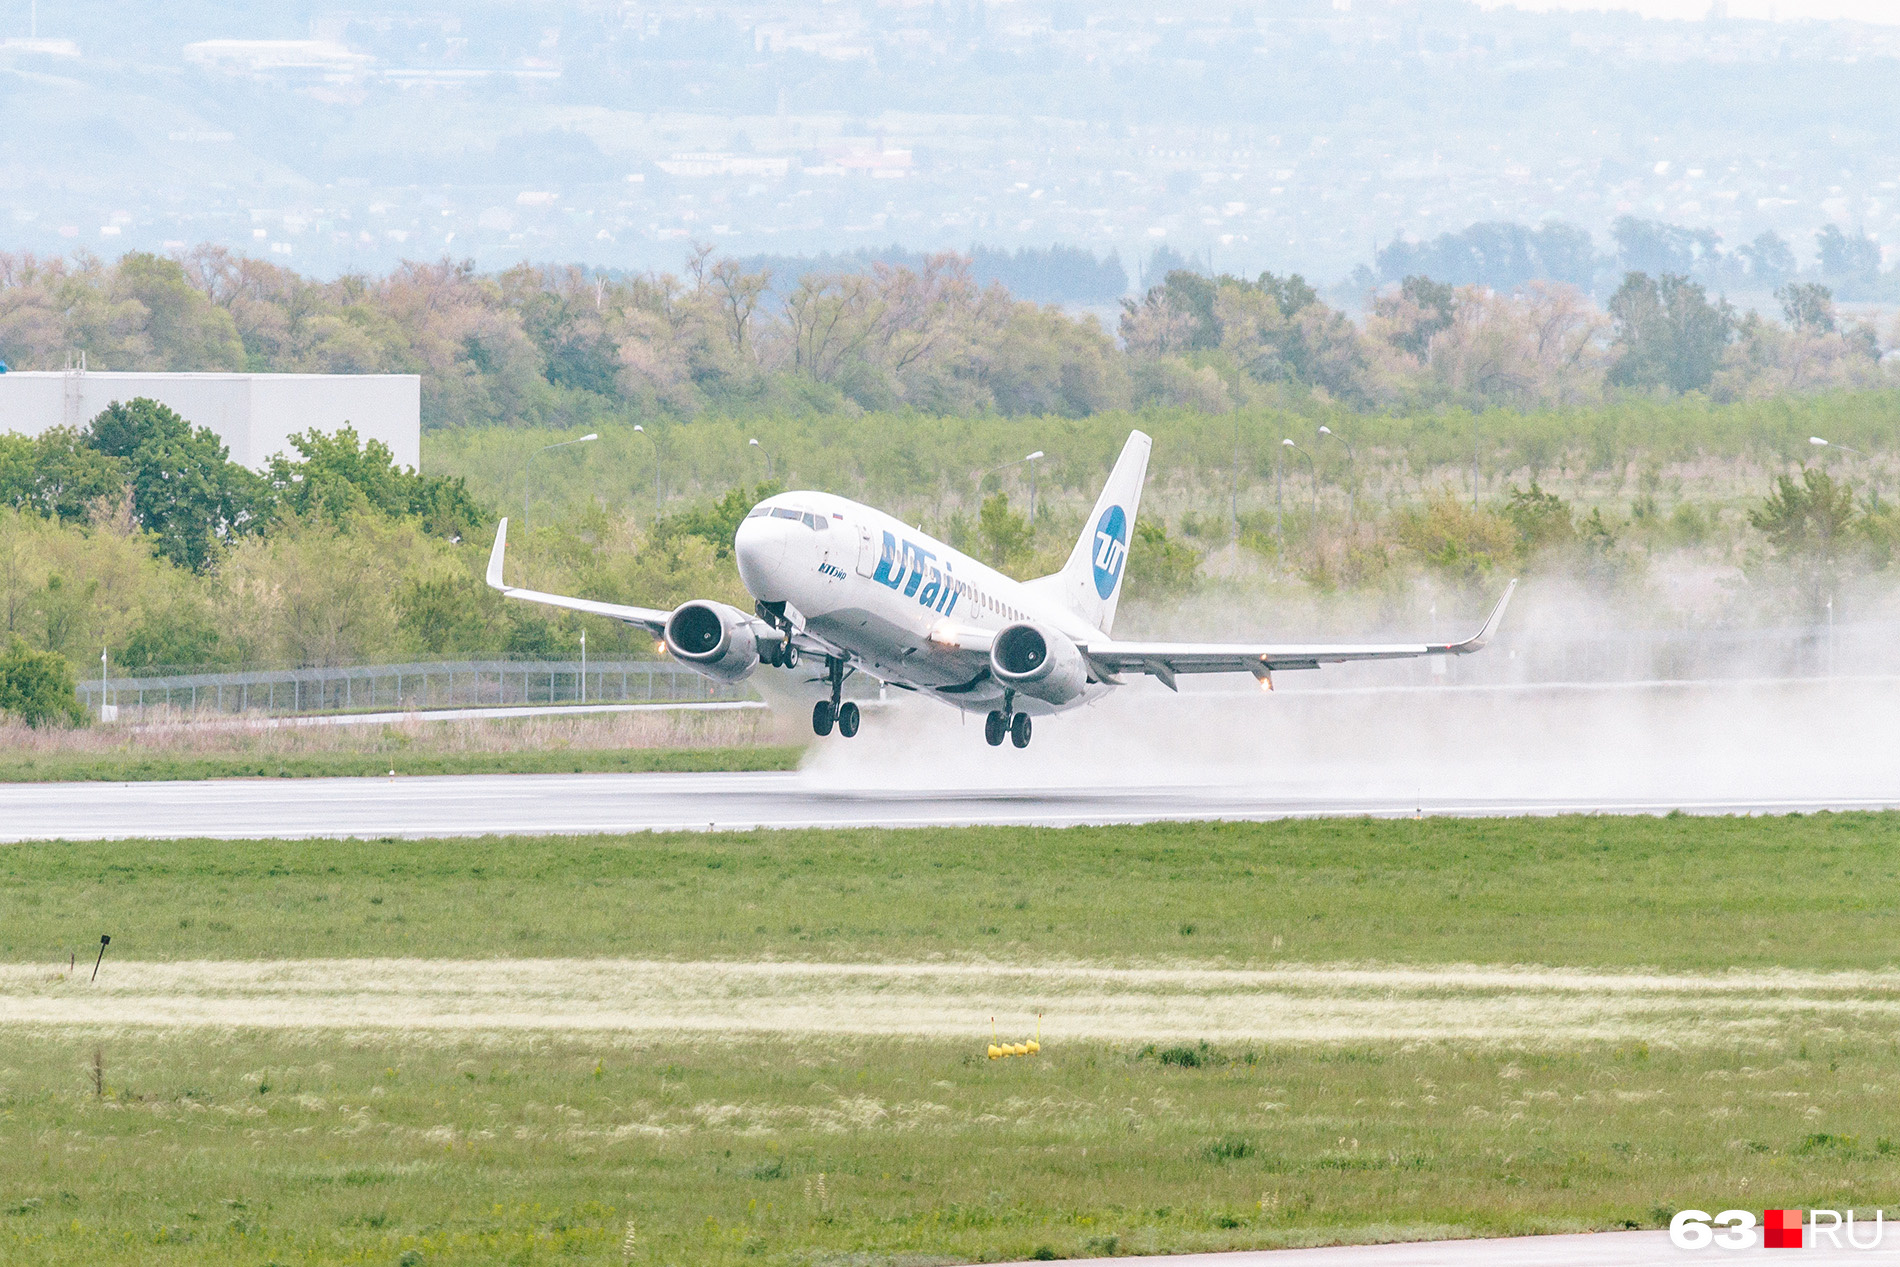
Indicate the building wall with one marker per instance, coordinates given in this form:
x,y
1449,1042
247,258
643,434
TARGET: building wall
x,y
254,414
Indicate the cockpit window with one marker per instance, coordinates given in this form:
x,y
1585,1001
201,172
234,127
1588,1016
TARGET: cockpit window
x,y
817,523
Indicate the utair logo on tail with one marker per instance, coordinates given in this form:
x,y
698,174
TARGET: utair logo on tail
x,y
841,585
1111,549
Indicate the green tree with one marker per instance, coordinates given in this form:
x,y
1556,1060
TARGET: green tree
x,y
37,686
339,475
1158,565
1808,307
56,473
185,489
1811,519
1456,538
1542,519
1809,524
717,524
186,331
1435,303
1003,536
442,612
1668,334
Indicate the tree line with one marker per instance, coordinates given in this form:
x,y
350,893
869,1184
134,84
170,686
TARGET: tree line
x,y
1504,255
551,347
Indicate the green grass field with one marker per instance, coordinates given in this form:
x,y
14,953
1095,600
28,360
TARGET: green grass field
x,y
1679,893
414,1146
236,1148
133,766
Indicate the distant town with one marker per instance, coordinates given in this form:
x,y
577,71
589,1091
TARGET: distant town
x,y
1297,137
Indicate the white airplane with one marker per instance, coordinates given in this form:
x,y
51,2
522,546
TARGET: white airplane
x,y
835,579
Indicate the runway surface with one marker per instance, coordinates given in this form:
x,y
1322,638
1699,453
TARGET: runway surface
x,y
475,805
1594,1249
481,714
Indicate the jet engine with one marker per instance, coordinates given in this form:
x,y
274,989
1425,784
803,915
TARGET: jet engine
x,y
713,639
1040,662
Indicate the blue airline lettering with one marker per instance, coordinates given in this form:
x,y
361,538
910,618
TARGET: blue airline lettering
x,y
917,561
890,569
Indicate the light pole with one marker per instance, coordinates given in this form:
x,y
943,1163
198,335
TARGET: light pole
x,y
1352,471
765,453
1031,461
527,478
1279,500
1821,443
1312,473
656,470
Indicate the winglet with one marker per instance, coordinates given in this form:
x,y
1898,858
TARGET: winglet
x,y
494,557
1476,641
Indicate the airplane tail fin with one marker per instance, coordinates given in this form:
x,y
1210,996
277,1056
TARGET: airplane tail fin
x,y
1090,583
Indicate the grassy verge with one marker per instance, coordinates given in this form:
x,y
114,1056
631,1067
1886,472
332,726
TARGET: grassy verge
x,y
218,1145
135,766
1680,893
327,1149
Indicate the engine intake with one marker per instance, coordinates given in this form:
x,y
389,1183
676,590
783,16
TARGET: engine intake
x,y
1040,662
713,639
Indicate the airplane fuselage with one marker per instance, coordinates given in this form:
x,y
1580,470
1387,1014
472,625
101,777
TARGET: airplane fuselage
x,y
877,589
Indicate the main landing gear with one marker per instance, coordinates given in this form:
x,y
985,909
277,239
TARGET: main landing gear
x,y
1005,721
827,712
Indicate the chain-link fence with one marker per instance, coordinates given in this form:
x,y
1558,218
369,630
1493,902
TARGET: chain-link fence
x,y
406,687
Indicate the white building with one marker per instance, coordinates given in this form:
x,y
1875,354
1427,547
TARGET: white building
x,y
254,414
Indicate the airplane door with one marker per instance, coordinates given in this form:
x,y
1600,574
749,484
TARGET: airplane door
x,y
867,552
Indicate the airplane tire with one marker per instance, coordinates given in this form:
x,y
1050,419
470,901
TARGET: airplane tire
x,y
822,717
995,726
1019,730
848,719
788,658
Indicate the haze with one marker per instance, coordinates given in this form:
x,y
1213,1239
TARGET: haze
x,y
1293,137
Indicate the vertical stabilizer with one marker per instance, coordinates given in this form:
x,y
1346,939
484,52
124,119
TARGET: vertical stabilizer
x,y
1090,583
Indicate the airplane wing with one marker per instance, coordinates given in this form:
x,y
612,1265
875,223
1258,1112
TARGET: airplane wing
x,y
1166,659
650,619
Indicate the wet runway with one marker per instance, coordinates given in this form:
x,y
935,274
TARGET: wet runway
x,y
474,805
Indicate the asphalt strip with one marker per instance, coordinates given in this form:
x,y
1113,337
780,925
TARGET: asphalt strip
x,y
1319,1004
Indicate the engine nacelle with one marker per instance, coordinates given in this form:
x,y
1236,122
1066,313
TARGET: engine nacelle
x,y
1039,661
713,639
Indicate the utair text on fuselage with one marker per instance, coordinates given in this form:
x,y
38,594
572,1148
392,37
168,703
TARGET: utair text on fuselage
x,y
846,585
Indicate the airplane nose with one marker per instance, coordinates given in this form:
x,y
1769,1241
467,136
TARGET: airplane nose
x,y
759,548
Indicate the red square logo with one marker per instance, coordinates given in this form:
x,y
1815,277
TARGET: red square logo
x,y
1781,1229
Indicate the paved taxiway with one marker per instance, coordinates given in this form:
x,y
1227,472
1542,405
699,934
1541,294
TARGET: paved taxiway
x,y
472,805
